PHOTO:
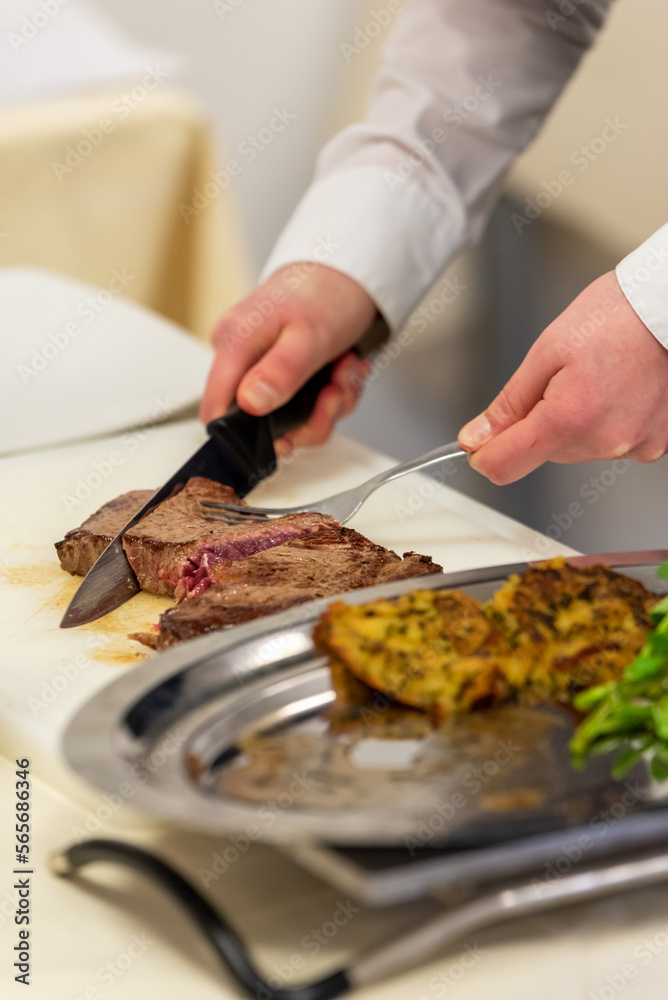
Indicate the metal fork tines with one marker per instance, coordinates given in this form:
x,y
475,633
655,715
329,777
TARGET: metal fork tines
x,y
341,506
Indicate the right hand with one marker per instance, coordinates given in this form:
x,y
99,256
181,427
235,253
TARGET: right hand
x,y
269,344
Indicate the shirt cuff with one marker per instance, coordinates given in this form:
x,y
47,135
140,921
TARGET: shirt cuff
x,y
387,235
643,277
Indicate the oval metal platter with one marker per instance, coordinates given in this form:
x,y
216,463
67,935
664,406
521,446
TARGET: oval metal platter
x,y
233,733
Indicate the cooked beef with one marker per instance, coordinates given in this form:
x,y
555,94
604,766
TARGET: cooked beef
x,y
173,548
224,574
81,547
319,565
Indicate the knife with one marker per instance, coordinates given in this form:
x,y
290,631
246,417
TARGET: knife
x,y
239,453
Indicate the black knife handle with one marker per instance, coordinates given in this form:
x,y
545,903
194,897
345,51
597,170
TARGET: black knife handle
x,y
287,417
298,409
251,438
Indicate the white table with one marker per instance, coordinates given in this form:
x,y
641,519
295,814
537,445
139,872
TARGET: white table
x,y
51,672
78,931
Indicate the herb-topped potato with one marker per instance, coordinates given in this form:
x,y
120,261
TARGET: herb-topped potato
x,y
545,635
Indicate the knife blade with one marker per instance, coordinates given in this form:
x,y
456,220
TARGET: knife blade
x,y
239,453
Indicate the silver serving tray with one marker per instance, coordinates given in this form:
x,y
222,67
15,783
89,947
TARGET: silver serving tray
x,y
228,734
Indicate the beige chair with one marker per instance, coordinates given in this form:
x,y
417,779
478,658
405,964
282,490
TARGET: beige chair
x,y
96,186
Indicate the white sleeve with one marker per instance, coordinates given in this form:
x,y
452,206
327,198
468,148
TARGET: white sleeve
x,y
643,277
465,85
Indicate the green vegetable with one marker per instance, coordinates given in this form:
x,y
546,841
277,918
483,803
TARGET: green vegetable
x,y
631,714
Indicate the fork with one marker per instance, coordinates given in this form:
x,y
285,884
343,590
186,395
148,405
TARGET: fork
x,y
341,506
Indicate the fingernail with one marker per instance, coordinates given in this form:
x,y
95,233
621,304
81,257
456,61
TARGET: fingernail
x,y
476,432
261,396
333,406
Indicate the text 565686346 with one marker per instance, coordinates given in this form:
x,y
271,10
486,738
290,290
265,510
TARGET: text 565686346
x,y
22,885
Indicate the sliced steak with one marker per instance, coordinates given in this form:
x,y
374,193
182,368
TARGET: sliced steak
x,y
225,574
319,565
173,548
81,547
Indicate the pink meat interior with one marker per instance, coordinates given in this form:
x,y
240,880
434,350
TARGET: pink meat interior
x,y
195,575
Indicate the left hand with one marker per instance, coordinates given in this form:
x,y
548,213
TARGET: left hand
x,y
594,385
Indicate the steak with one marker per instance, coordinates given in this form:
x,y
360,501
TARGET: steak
x,y
318,565
226,574
81,547
172,549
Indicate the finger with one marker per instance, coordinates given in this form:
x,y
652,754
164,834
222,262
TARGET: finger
x,y
284,446
521,448
350,374
290,361
516,400
334,402
319,426
237,347
646,453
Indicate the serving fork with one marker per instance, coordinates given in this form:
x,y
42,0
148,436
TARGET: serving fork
x,y
341,506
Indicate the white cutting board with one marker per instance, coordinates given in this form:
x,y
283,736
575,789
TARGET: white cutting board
x,y
80,361
47,673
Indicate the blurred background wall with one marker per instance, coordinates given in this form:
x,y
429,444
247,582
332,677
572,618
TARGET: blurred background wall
x,y
246,57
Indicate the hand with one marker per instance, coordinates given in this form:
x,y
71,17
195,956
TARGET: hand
x,y
594,385
269,345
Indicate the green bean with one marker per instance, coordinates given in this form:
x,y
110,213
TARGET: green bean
x,y
631,714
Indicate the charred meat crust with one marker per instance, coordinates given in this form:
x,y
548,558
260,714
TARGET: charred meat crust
x,y
319,565
227,574
81,547
173,549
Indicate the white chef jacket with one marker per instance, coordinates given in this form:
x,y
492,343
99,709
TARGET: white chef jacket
x,y
464,87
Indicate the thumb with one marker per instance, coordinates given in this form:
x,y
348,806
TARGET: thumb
x,y
521,448
516,400
296,354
